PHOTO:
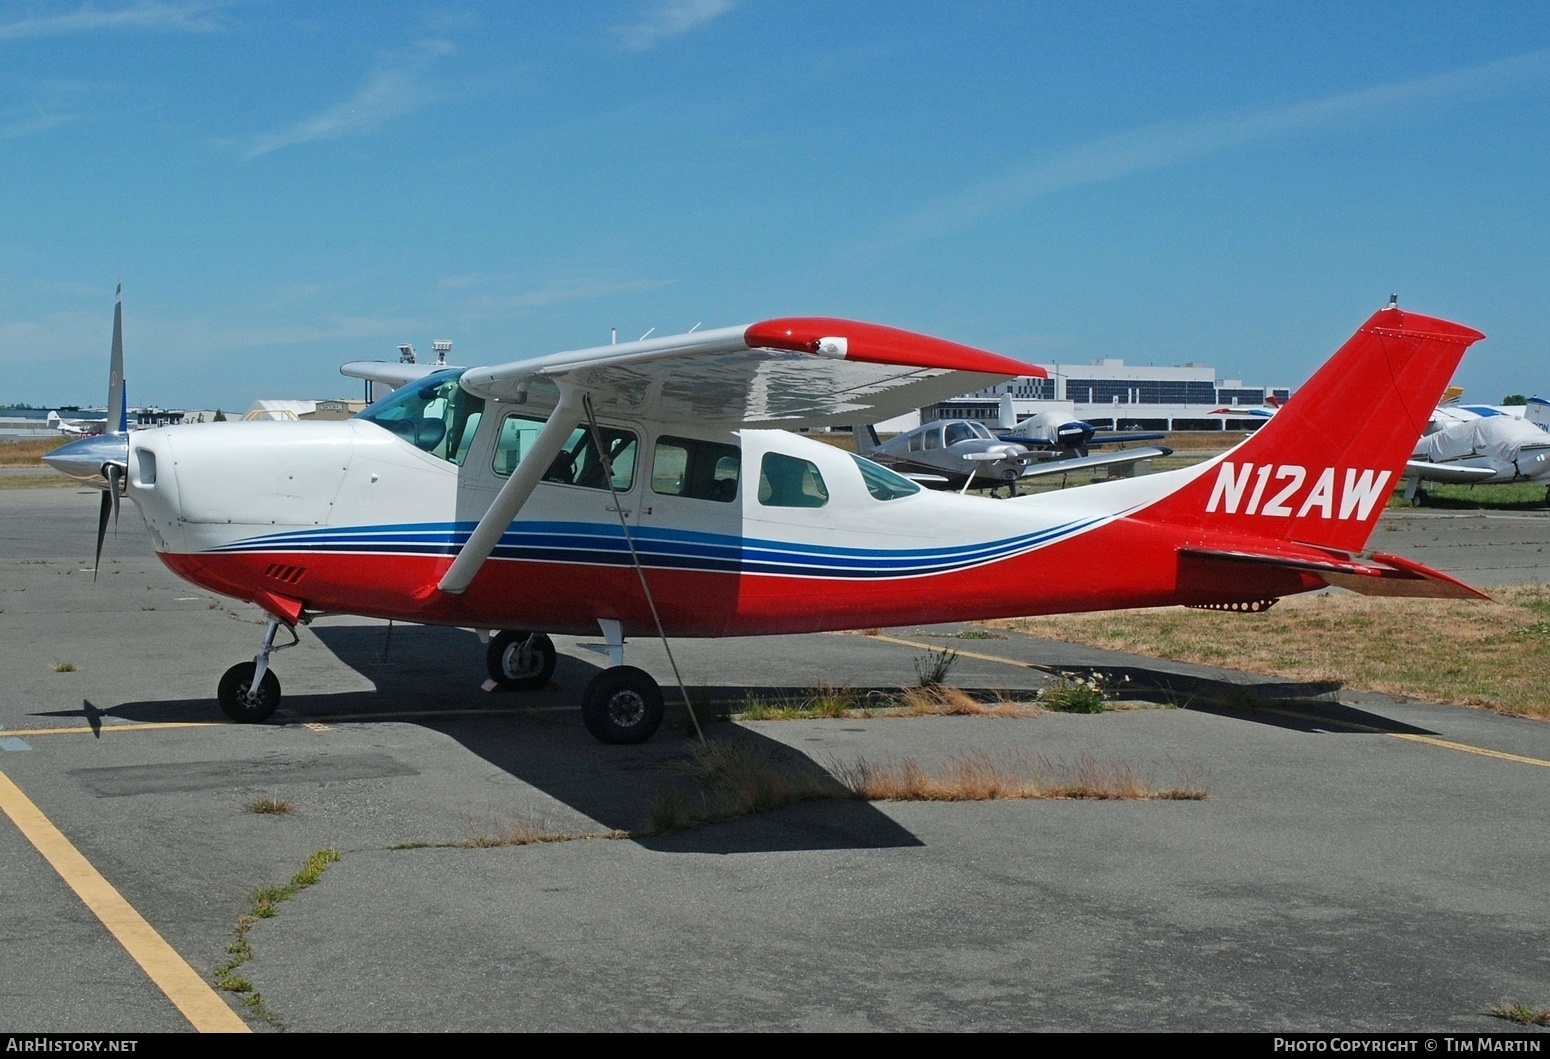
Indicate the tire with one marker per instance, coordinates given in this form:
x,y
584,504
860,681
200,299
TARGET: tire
x,y
235,700
515,669
622,705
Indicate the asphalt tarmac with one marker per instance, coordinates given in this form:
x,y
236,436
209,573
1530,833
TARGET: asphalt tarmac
x,y
1358,863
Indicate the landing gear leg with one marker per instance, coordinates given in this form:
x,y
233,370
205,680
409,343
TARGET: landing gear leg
x,y
249,692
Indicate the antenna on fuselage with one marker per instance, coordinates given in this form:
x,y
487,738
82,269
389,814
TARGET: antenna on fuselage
x,y
613,336
647,335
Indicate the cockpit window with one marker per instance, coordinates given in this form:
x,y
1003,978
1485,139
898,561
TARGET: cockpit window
x,y
956,432
883,483
578,462
434,414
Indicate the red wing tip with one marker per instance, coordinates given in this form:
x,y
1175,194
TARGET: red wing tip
x,y
880,344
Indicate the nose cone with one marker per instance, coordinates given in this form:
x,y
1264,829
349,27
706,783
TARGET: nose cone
x,y
85,458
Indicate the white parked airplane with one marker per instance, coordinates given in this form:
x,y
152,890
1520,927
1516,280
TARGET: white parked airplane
x,y
640,489
75,427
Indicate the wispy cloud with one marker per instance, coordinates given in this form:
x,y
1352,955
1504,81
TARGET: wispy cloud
x,y
668,19
1174,142
506,301
153,16
398,86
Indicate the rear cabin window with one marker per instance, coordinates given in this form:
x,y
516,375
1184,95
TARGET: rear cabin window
x,y
578,462
702,470
785,481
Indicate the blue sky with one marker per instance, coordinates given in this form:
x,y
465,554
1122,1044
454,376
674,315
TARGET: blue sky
x,y
284,187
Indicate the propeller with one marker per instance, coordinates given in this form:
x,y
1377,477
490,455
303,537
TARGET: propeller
x,y
102,459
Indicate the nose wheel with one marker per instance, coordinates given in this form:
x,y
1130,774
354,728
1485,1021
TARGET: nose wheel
x,y
246,700
249,692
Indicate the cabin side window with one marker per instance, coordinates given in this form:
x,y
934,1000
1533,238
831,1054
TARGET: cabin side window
x,y
703,470
957,432
578,461
934,438
786,481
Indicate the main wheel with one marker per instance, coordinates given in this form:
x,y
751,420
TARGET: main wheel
x,y
516,664
622,705
238,699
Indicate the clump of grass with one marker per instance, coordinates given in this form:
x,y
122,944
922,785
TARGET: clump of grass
x,y
272,806
1073,694
932,667
1522,1014
265,906
981,777
823,701
64,667
978,634
944,700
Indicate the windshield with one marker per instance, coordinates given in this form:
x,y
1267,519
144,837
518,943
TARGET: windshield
x,y
434,414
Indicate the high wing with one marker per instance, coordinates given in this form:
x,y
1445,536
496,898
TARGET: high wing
x,y
389,374
792,372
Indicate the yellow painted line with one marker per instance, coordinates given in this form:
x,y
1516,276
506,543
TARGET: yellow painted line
x,y
88,730
1471,749
962,653
1354,726
192,995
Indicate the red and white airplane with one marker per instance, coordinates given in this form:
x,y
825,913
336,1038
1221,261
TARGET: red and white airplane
x,y
644,488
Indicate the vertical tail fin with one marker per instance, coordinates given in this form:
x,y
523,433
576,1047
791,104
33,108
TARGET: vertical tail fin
x,y
1322,469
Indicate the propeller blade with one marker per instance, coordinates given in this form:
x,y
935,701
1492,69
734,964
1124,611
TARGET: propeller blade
x,y
114,473
102,527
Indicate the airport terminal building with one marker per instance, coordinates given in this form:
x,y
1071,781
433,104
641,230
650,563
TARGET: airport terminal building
x,y
1112,395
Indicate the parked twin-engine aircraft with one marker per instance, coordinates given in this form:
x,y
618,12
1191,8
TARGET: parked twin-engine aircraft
x,y
639,489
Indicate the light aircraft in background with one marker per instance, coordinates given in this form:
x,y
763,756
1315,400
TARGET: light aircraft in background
x,y
645,489
75,427
963,453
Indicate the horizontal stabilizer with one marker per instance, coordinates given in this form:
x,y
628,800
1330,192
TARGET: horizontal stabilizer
x,y
1382,575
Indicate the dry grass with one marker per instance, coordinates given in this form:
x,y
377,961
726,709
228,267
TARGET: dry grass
x,y
736,778
832,703
978,777
1491,655
28,452
269,806
943,701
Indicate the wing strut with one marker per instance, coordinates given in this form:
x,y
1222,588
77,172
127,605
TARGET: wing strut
x,y
640,571
514,493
